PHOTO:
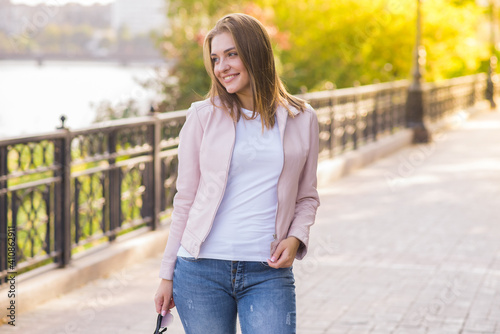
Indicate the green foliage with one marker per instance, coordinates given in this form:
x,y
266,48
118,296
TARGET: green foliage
x,y
106,110
455,46
320,42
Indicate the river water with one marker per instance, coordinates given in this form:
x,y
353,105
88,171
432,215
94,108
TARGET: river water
x,y
32,97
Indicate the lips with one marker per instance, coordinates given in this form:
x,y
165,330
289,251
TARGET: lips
x,y
228,78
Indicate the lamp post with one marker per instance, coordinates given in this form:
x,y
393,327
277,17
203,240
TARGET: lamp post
x,y
414,102
490,85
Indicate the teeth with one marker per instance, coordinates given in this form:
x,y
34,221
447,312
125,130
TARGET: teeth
x,y
229,77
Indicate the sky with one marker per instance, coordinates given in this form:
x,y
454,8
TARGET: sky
x,y
60,2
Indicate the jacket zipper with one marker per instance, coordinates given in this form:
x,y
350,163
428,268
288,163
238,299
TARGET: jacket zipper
x,y
224,189
275,235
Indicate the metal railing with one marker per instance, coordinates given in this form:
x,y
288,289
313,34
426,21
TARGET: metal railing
x,y
66,191
443,98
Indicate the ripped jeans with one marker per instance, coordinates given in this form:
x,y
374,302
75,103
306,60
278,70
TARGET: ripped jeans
x,y
209,295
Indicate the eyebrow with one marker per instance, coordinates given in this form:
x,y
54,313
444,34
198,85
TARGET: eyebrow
x,y
225,51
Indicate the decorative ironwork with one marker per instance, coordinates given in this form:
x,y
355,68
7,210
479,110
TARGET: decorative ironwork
x,y
32,220
87,146
133,189
132,138
169,175
349,118
89,208
170,133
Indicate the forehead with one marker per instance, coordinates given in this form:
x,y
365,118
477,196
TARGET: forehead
x,y
222,42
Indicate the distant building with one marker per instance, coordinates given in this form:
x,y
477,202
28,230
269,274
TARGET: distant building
x,y
119,29
138,17
4,14
9,22
30,20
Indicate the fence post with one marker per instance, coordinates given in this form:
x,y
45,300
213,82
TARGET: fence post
x,y
156,175
490,85
375,113
472,96
3,210
62,155
114,191
354,121
331,141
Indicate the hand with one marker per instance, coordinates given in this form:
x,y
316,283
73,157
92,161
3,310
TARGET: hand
x,y
163,297
285,253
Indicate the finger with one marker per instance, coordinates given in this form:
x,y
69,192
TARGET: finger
x,y
281,262
277,253
164,309
272,264
167,305
284,260
158,303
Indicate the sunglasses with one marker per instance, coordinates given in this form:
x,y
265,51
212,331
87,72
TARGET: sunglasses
x,y
163,322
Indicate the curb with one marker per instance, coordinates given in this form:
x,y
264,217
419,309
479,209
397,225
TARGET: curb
x,y
33,289
346,163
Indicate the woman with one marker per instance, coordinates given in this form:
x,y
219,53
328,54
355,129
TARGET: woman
x,y
246,192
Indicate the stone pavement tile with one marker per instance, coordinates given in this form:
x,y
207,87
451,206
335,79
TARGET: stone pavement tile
x,y
480,325
408,330
121,302
384,327
361,329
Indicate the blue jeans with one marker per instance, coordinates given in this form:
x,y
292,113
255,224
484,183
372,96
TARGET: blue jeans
x,y
209,294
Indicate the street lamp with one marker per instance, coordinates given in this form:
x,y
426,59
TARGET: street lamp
x,y
414,102
490,85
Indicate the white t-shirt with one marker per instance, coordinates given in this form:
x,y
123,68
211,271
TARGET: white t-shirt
x,y
245,222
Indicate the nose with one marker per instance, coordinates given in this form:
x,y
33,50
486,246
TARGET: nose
x,y
223,65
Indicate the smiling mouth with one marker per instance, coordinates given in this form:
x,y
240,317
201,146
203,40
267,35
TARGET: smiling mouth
x,y
229,77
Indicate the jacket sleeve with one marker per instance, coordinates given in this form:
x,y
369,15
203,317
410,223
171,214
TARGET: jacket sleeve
x,y
188,178
307,195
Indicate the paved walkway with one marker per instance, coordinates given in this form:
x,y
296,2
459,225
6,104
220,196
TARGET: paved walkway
x,y
410,244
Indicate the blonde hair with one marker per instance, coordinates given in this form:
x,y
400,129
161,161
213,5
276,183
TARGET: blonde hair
x,y
253,45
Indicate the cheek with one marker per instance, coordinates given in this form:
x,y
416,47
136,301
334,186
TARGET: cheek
x,y
216,69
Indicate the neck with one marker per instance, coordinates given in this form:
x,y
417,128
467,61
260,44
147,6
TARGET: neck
x,y
246,101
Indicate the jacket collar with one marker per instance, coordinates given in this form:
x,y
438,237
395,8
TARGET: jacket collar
x,y
282,116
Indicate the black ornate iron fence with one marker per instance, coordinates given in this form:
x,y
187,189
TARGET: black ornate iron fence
x,y
351,117
443,98
66,191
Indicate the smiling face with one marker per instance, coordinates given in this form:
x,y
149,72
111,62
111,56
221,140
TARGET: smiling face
x,y
230,70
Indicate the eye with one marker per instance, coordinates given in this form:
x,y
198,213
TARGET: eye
x,y
215,59
230,54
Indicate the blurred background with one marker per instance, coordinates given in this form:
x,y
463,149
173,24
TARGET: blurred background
x,y
98,60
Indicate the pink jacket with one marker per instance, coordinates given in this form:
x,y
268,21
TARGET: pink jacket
x,y
205,150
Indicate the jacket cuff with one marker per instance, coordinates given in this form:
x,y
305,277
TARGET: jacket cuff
x,y
167,270
303,235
